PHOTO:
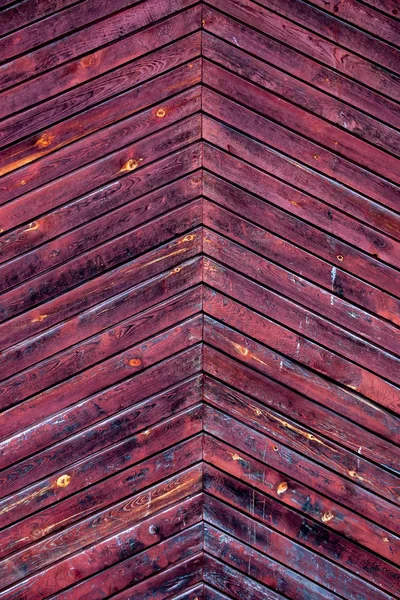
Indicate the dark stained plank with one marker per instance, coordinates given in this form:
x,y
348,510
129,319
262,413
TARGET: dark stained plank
x,y
82,268
109,197
322,50
109,521
369,480
345,35
112,283
22,13
53,25
276,51
79,43
364,17
94,175
86,503
322,390
299,149
185,544
234,583
91,147
173,579
305,179
296,288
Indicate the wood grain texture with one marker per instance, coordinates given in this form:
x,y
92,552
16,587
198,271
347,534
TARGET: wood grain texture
x,y
301,300
199,299
101,300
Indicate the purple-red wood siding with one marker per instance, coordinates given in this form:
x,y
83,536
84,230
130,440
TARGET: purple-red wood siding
x,y
200,299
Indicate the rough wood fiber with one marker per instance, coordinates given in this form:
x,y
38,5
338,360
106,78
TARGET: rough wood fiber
x,y
301,300
199,299
101,300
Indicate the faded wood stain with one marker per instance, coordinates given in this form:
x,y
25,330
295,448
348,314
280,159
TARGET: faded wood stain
x,y
200,299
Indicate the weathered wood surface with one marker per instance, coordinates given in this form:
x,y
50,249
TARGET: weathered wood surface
x,y
101,300
199,299
301,302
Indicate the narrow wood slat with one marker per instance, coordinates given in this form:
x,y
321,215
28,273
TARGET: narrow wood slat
x,y
364,17
118,79
17,535
302,380
296,34
369,479
173,579
79,43
134,480
28,10
235,583
109,197
101,289
299,149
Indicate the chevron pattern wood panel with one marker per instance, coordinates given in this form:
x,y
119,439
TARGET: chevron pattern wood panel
x,y
199,277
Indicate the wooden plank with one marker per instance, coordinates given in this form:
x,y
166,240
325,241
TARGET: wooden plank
x,y
187,544
84,504
109,521
299,149
79,43
282,281
293,32
98,173
108,197
324,132
306,180
236,584
28,10
34,498
306,441
99,290
302,380
103,258
117,80
173,579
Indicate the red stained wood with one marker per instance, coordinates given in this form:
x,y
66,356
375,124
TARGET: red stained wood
x,y
290,523
199,300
